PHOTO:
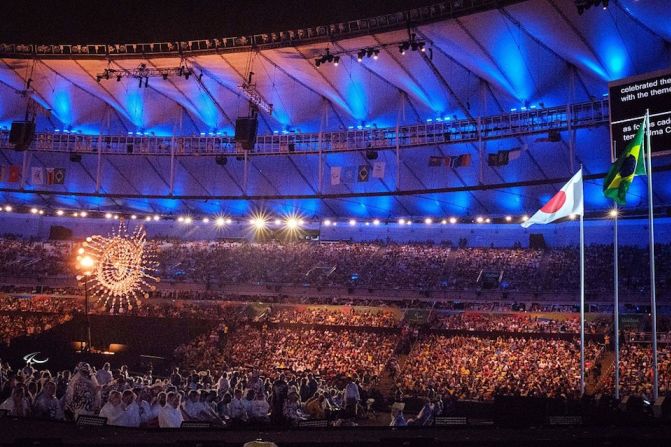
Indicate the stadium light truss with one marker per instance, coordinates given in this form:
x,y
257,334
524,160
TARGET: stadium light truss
x,y
142,72
249,91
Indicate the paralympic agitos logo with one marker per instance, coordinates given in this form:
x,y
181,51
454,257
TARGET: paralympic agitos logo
x,y
31,360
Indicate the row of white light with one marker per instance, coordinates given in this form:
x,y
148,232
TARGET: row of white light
x,y
291,222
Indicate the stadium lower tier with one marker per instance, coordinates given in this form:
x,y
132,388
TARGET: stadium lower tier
x,y
239,372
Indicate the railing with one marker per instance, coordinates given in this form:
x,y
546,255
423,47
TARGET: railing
x,y
507,125
302,36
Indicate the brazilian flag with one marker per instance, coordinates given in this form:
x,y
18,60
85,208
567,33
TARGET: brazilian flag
x,y
630,164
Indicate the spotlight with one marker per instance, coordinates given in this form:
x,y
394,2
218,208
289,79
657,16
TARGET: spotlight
x,y
421,47
59,212
206,220
187,220
292,223
336,59
376,222
75,214
488,220
156,217
479,219
8,208
509,218
444,221
133,216
229,221
376,52
352,222
108,215
318,62
83,214
327,223
525,218
428,221
148,218
612,213
180,219
116,217
41,212
401,221
279,222
219,222
360,55
259,223
33,210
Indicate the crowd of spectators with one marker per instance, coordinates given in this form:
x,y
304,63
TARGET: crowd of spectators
x,y
480,368
518,322
328,353
340,316
636,371
371,265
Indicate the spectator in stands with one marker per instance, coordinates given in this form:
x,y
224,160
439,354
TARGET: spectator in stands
x,y
46,406
83,393
17,404
170,415
113,410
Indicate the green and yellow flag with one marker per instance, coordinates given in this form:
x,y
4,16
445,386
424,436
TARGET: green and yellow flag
x,y
630,164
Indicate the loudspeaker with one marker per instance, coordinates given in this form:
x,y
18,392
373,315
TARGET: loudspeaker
x,y
129,148
21,134
221,160
75,157
291,147
554,136
59,233
371,155
245,132
537,241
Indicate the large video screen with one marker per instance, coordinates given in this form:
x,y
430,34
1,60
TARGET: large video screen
x,y
629,99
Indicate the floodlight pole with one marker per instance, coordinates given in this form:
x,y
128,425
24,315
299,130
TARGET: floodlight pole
x,y
88,317
582,304
651,229
616,306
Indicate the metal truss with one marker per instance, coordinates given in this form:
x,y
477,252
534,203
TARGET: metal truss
x,y
445,132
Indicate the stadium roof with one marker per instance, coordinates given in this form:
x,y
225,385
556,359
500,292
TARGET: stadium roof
x,y
536,54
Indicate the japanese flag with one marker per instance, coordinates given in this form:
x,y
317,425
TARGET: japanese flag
x,y
567,201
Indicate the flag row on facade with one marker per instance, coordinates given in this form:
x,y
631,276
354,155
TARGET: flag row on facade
x,y
356,174
451,161
38,175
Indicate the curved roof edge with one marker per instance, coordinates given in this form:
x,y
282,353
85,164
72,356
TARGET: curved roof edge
x,y
302,36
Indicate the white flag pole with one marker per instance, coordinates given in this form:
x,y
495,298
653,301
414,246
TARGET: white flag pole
x,y
653,297
616,306
582,300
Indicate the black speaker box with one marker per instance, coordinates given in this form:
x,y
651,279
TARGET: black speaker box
x,y
221,160
75,157
371,155
21,134
59,233
245,132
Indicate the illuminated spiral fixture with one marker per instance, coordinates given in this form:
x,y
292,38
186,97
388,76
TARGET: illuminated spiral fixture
x,y
122,268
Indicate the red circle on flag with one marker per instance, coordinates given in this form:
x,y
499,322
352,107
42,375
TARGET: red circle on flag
x,y
555,203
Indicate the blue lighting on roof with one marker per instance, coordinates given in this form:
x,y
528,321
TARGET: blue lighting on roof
x,y
63,106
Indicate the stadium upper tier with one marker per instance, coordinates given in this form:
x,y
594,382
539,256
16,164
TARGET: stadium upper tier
x,y
473,78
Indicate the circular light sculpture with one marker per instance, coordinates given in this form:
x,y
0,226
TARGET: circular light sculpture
x,y
124,268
